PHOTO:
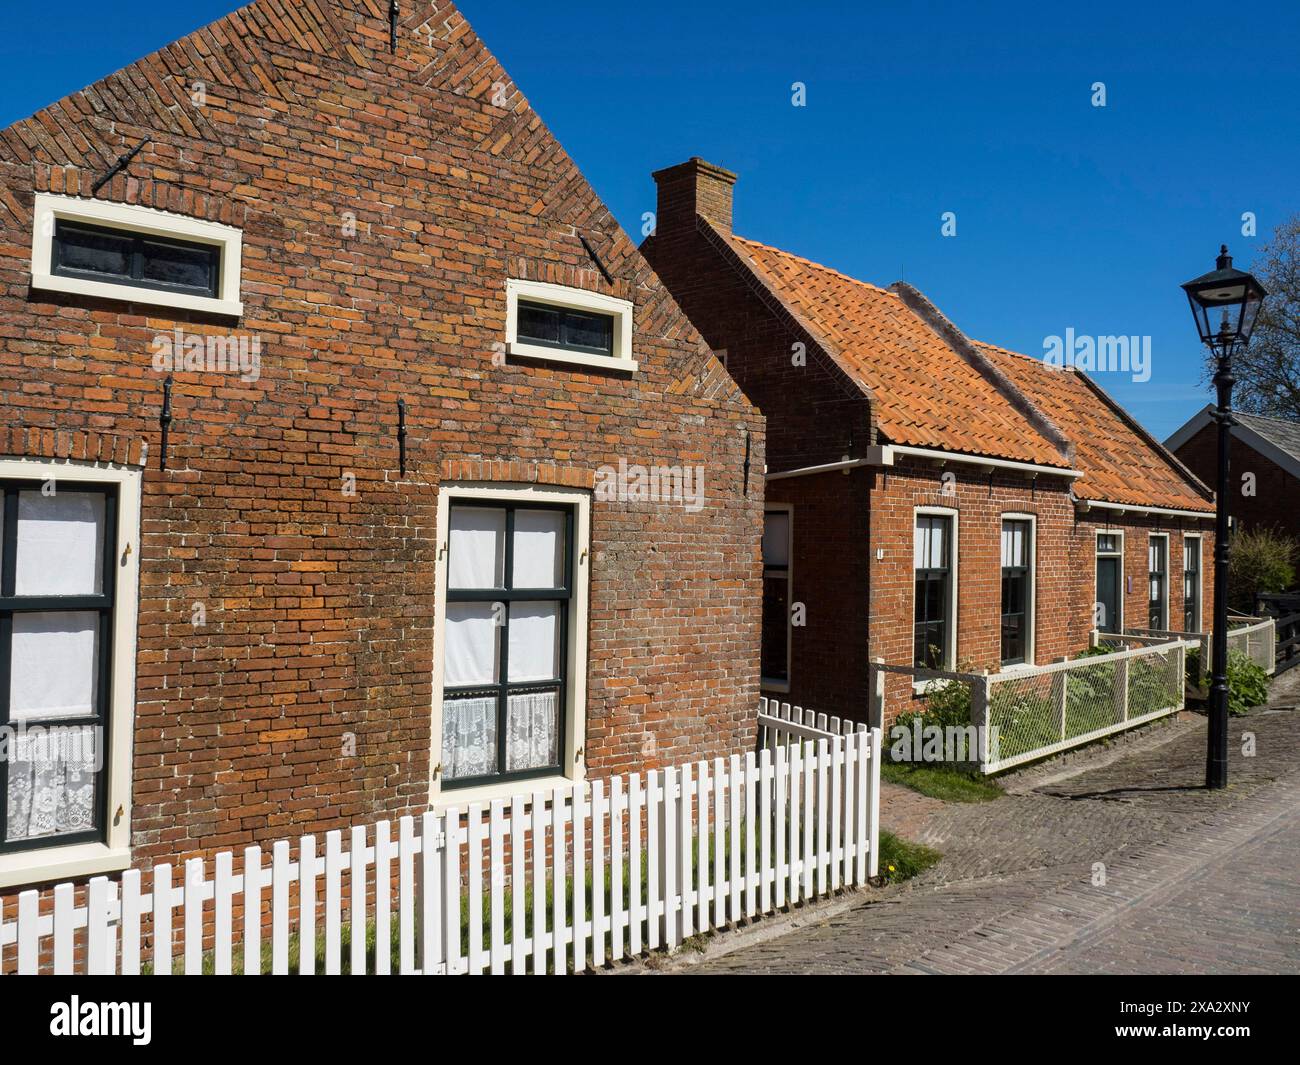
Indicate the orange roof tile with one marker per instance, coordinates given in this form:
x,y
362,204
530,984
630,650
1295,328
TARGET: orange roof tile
x,y
926,394
1119,464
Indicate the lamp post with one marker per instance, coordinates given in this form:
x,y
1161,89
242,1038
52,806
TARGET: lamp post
x,y
1234,298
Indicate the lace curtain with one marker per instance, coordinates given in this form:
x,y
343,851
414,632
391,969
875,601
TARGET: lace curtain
x,y
532,731
469,737
51,783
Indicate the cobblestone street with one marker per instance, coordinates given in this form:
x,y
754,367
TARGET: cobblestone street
x,y
1194,881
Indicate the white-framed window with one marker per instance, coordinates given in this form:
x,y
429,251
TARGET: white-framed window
x,y
778,586
69,584
510,643
934,571
1019,579
1108,606
126,252
560,324
1158,581
1192,582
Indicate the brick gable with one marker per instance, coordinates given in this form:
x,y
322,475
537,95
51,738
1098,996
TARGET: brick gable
x,y
319,604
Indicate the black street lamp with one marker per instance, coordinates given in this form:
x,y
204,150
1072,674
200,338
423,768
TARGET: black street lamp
x,y
1234,298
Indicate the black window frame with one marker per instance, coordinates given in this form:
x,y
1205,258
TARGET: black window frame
x,y
1193,600
922,579
1160,577
1017,575
503,688
564,314
103,604
136,278
782,573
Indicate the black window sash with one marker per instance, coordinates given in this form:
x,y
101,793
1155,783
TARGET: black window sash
x,y
932,631
136,278
102,605
1160,579
504,688
563,317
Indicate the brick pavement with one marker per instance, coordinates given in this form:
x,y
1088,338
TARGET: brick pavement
x,y
1195,881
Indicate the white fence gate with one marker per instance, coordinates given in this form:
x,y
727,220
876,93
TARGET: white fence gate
x,y
558,882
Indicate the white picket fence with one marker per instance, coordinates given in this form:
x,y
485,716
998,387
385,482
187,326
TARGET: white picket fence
x,y
557,882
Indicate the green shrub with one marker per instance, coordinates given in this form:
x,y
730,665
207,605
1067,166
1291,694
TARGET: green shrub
x,y
1247,682
1261,561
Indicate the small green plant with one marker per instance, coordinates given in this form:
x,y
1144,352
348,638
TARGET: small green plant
x,y
900,859
1247,682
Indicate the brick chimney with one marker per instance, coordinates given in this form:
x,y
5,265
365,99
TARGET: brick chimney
x,y
691,188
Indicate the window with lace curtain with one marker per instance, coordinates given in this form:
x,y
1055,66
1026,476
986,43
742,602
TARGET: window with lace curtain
x,y
509,586
57,546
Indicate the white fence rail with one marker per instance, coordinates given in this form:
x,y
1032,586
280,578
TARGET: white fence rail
x,y
780,724
569,880
1028,713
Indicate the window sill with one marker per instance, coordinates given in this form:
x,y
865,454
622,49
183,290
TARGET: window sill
x,y
33,868
1017,667
764,684
487,793
131,294
540,353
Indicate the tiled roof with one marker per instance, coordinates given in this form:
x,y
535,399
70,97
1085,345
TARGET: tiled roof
x,y
926,394
1119,465
1282,433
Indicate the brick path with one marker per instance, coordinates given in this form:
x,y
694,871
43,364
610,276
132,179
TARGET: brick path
x,y
1195,881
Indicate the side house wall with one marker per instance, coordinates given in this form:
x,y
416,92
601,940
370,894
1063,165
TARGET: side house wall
x,y
384,201
1273,499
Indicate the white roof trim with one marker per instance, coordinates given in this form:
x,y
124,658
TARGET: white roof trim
x,y
1137,508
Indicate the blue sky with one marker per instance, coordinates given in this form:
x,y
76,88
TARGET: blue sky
x,y
1068,216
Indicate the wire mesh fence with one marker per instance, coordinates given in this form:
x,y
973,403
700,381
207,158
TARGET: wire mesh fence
x,y
1028,713
1256,639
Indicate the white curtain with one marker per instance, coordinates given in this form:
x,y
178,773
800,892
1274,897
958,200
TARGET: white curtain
x,y
538,549
1014,534
469,737
532,731
471,645
54,667
476,558
930,544
60,547
534,641
51,783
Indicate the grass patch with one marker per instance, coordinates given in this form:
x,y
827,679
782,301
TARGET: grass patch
x,y
900,859
939,782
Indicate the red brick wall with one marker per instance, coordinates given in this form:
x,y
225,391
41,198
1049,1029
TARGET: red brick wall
x,y
1273,504
320,605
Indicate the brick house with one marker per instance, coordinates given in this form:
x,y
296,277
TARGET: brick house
x,y
931,500
353,459
1264,464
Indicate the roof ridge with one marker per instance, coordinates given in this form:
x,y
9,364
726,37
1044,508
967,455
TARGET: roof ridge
x,y
943,326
